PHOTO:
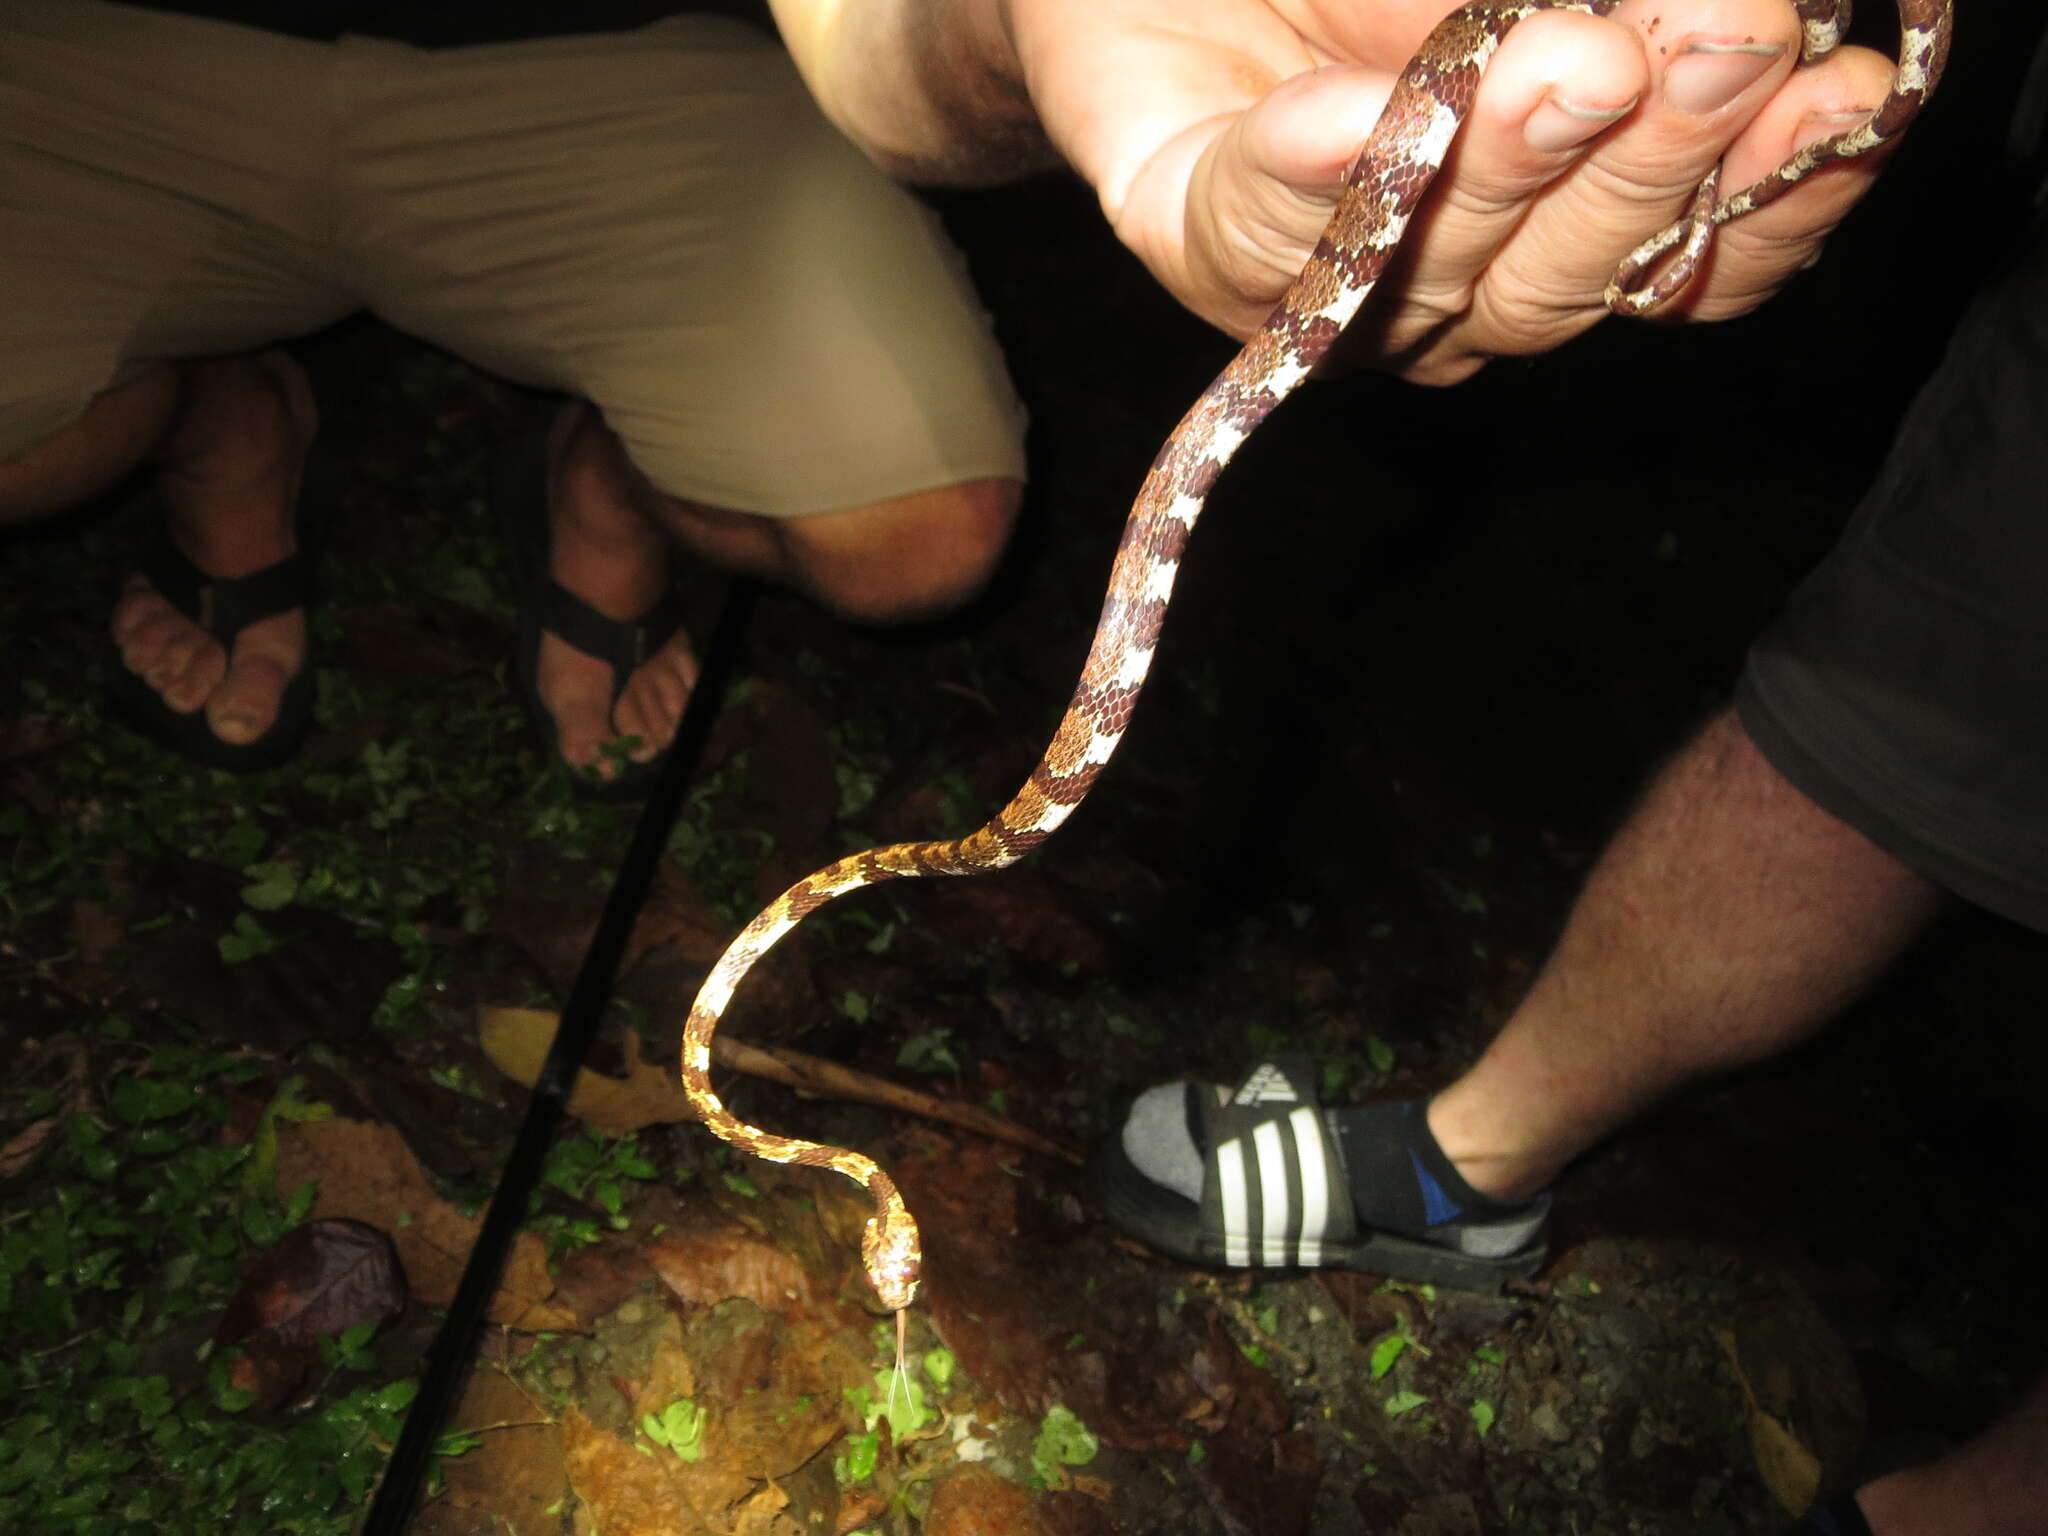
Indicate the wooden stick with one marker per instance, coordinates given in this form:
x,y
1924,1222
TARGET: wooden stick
x,y
517,1042
815,1077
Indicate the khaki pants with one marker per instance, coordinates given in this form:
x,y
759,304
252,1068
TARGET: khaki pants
x,y
658,221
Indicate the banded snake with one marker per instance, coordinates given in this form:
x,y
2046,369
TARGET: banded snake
x,y
1393,171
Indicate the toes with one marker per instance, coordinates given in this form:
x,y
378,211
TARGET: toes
x,y
581,730
646,727
653,703
267,654
245,703
188,669
171,655
137,604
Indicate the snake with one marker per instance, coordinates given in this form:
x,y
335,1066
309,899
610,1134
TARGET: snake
x,y
1393,171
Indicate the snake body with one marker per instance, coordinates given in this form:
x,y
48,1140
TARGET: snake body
x,y
1394,170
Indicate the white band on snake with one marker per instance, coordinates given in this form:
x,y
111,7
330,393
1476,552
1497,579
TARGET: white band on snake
x,y
1393,171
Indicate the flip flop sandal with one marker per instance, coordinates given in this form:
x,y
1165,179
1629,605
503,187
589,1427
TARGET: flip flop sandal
x,y
519,488
1276,1195
224,608
622,645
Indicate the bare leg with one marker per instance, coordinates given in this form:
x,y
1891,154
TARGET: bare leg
x,y
228,471
907,558
95,453
227,436
1997,1485
1730,918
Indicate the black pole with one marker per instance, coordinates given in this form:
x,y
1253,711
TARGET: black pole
x,y
448,1358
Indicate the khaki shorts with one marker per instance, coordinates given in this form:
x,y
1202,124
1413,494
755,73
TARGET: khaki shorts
x,y
658,221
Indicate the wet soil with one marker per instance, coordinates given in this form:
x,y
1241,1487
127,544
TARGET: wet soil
x,y
1425,648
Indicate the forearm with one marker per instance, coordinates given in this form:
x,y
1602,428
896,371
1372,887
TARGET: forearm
x,y
930,90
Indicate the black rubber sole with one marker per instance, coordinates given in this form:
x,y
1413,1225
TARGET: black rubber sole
x,y
142,709
1171,1225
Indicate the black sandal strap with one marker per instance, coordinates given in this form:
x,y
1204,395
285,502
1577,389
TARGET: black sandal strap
x,y
224,606
621,644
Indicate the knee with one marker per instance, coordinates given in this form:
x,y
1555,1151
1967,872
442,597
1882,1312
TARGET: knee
x,y
913,558
93,454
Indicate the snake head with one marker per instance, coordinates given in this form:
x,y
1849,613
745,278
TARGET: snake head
x,y
889,1252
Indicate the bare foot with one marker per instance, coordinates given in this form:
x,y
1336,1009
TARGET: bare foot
x,y
605,550
228,474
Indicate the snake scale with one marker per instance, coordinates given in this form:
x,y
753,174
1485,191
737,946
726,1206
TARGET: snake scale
x,y
1393,171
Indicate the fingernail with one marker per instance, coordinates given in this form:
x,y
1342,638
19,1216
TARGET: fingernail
x,y
1560,123
1816,126
1710,75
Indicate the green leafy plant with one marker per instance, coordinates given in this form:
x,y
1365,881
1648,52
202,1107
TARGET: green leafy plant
x,y
679,1428
140,1232
856,1464
1393,1344
929,1051
247,940
895,1396
593,1168
1062,1441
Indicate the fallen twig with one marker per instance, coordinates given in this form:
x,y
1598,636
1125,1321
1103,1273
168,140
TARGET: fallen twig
x,y
517,1040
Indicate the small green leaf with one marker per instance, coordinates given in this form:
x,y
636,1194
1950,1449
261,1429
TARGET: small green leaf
x,y
138,1100
858,1464
938,1364
903,1403
679,1427
1063,1440
247,940
1379,1053
928,1052
1386,1352
240,844
1402,1402
1482,1417
273,886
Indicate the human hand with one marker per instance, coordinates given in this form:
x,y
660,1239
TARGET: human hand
x,y
1218,134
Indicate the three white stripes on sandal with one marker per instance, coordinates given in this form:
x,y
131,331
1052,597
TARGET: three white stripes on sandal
x,y
1285,1235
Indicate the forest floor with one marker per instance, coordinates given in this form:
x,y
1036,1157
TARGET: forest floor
x,y
1424,650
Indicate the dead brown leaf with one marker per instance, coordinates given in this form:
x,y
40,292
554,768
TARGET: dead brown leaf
x,y
60,1066
627,1494
592,1282
517,1042
367,1173
707,1262
971,1500
321,1278
513,1478
1788,1468
765,1514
